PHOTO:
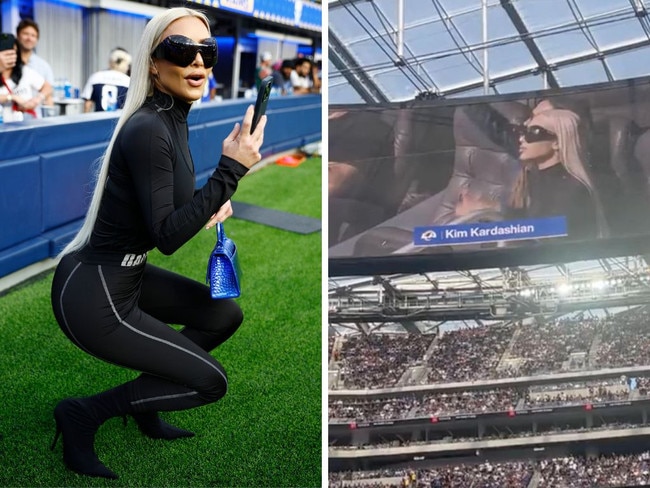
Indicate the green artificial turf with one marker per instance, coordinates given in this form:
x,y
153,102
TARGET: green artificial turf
x,y
265,432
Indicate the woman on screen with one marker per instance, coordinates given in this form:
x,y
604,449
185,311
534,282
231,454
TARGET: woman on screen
x,y
554,179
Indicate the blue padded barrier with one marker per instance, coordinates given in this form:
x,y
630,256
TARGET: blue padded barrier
x,y
60,236
23,254
47,166
20,200
72,168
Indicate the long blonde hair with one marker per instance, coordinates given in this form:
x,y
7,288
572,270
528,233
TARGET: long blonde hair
x,y
140,86
565,124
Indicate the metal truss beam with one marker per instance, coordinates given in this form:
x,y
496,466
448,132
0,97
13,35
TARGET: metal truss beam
x,y
411,328
559,64
339,3
528,41
353,73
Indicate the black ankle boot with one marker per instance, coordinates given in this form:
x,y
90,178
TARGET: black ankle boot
x,y
152,426
75,420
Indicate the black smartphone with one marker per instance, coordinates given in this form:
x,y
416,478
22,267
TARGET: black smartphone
x,y
262,99
7,41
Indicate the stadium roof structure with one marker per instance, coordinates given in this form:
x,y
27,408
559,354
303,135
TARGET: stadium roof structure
x,y
422,303
396,50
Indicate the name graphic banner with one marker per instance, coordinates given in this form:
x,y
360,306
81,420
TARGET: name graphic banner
x,y
508,230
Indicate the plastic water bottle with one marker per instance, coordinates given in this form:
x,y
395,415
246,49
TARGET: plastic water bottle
x,y
58,89
2,109
67,89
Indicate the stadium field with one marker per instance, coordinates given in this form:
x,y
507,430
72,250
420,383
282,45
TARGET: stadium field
x,y
265,432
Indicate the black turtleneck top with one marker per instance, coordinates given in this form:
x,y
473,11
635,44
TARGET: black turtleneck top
x,y
149,199
554,192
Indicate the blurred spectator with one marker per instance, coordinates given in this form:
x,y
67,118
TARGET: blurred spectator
x,y
474,204
105,91
316,76
17,84
264,69
28,35
282,78
210,90
301,81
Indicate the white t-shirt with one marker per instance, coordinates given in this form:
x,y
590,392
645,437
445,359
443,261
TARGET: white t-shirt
x,y
30,81
299,81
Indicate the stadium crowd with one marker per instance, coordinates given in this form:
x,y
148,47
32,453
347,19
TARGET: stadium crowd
x,y
497,351
593,394
545,346
605,471
410,405
486,475
627,343
379,360
446,437
468,354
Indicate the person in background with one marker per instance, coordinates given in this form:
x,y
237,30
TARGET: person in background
x,y
264,69
17,85
301,81
316,81
210,89
105,91
282,78
107,299
28,35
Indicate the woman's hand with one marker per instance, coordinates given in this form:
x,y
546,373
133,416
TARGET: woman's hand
x,y
241,145
222,214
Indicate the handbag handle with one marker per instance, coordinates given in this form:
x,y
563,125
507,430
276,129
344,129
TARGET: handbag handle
x,y
221,234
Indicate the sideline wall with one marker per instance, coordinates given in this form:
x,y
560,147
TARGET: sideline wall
x,y
46,167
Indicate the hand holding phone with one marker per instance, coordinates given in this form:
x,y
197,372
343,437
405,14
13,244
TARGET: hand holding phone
x,y
263,95
7,42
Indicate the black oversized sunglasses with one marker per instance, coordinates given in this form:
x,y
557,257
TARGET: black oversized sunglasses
x,y
182,50
533,133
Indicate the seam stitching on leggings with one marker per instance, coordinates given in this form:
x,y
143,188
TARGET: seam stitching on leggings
x,y
129,326
164,397
65,320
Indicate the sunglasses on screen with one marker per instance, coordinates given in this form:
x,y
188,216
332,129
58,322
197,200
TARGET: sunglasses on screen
x,y
533,133
182,50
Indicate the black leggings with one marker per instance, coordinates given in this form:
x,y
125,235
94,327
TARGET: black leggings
x,y
120,315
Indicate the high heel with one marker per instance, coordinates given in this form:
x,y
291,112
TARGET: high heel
x,y
76,423
151,425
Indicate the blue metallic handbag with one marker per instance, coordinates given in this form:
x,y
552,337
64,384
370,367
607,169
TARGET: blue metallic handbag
x,y
223,273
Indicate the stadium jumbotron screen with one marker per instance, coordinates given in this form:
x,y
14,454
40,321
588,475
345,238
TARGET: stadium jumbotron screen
x,y
560,174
